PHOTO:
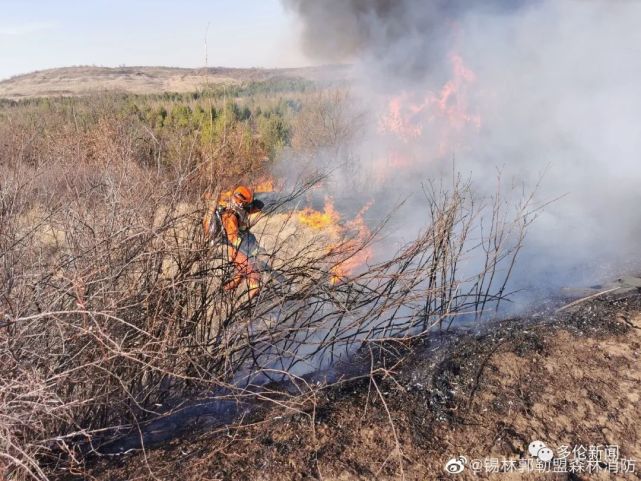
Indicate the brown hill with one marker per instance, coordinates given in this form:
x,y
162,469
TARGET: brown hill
x,y
142,80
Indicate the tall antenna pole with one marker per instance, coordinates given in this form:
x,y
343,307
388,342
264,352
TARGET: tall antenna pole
x,y
206,51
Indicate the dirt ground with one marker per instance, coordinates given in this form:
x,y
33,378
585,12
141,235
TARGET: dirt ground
x,y
572,381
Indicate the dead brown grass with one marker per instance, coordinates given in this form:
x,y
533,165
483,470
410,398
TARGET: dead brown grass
x,y
112,311
144,80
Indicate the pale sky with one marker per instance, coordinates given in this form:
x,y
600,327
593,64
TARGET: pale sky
x,y
40,34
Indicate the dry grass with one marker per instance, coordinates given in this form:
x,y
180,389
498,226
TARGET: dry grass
x,y
144,80
112,311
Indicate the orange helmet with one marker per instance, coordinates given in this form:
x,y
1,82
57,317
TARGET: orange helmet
x,y
243,194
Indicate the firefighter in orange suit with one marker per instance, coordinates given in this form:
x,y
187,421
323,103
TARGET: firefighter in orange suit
x,y
242,245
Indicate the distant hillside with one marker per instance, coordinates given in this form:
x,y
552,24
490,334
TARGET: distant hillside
x,y
142,80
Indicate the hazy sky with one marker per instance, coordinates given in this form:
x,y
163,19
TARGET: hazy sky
x,y
39,34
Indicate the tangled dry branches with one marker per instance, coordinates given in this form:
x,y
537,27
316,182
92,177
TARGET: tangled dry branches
x,y
113,312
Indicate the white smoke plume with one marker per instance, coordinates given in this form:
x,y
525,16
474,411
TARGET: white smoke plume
x,y
525,87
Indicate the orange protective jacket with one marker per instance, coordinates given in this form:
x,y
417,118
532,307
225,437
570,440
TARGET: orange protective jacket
x,y
236,222
240,246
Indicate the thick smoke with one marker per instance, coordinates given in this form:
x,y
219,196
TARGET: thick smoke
x,y
543,87
408,37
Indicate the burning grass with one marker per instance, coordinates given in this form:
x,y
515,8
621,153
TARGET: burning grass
x,y
348,240
113,314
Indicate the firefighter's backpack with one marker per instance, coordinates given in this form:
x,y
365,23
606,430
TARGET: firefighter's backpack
x,y
216,232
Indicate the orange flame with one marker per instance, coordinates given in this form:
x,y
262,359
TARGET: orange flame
x,y
407,116
356,248
351,250
328,219
398,122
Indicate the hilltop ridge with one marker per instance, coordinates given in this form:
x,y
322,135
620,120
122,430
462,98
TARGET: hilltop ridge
x,y
84,80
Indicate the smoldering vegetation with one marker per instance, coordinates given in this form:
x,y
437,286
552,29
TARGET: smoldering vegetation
x,y
112,309
541,91
112,306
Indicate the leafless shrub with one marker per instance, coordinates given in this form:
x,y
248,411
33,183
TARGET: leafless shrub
x,y
113,312
327,121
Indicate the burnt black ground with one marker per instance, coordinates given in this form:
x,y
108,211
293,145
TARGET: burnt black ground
x,y
566,378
